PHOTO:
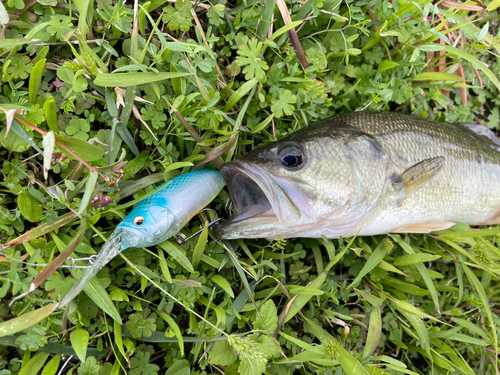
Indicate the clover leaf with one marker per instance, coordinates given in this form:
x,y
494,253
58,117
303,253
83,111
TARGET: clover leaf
x,y
139,365
89,367
78,128
140,327
283,105
33,338
252,59
179,18
59,26
20,66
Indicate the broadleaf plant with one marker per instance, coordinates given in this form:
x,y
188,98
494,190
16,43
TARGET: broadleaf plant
x,y
100,102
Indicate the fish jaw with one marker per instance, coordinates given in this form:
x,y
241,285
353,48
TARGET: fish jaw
x,y
264,208
262,225
265,225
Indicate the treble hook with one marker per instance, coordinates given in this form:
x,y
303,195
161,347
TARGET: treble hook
x,y
181,238
91,259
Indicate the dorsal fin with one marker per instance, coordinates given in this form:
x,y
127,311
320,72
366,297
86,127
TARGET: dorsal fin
x,y
484,134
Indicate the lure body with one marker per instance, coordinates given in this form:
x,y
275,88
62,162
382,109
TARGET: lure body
x,y
168,210
155,219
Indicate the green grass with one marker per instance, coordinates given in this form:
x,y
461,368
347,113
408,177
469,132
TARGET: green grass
x,y
202,85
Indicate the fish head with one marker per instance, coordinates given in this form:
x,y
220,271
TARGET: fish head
x,y
303,184
148,224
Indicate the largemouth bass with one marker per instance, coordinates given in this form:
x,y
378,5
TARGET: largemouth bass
x,y
367,174
155,219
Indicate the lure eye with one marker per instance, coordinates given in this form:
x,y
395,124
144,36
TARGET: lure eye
x,y
138,220
291,157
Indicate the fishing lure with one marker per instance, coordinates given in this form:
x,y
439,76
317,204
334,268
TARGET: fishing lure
x,y
155,219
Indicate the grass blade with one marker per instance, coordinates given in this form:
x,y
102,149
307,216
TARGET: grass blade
x,y
52,366
435,76
134,79
50,110
199,249
378,254
409,259
117,331
284,29
94,288
472,327
266,20
301,299
125,135
240,93
79,147
27,320
41,230
34,365
56,263
422,270
486,305
493,5
173,325
9,43
302,344
175,252
121,127
89,192
374,332
468,57
20,132
223,283
334,350
35,80
420,328
86,10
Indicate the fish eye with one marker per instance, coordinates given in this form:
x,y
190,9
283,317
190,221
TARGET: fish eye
x,y
138,220
291,157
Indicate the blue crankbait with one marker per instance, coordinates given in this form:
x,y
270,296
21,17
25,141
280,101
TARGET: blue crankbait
x,y
155,219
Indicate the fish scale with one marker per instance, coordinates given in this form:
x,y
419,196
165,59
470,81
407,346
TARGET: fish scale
x,y
448,197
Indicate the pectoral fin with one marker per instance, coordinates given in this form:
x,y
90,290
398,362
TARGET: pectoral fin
x,y
423,227
411,180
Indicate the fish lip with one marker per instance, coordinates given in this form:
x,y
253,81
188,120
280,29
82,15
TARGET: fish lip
x,y
253,198
247,189
261,199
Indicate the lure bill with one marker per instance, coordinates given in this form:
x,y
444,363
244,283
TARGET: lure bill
x,y
155,219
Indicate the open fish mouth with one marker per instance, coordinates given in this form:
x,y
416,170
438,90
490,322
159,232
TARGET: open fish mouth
x,y
260,202
247,193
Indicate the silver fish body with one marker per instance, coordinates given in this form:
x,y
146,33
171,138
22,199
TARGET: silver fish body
x,y
367,174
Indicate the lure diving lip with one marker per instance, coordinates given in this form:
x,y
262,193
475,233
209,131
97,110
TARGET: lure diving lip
x,y
155,219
